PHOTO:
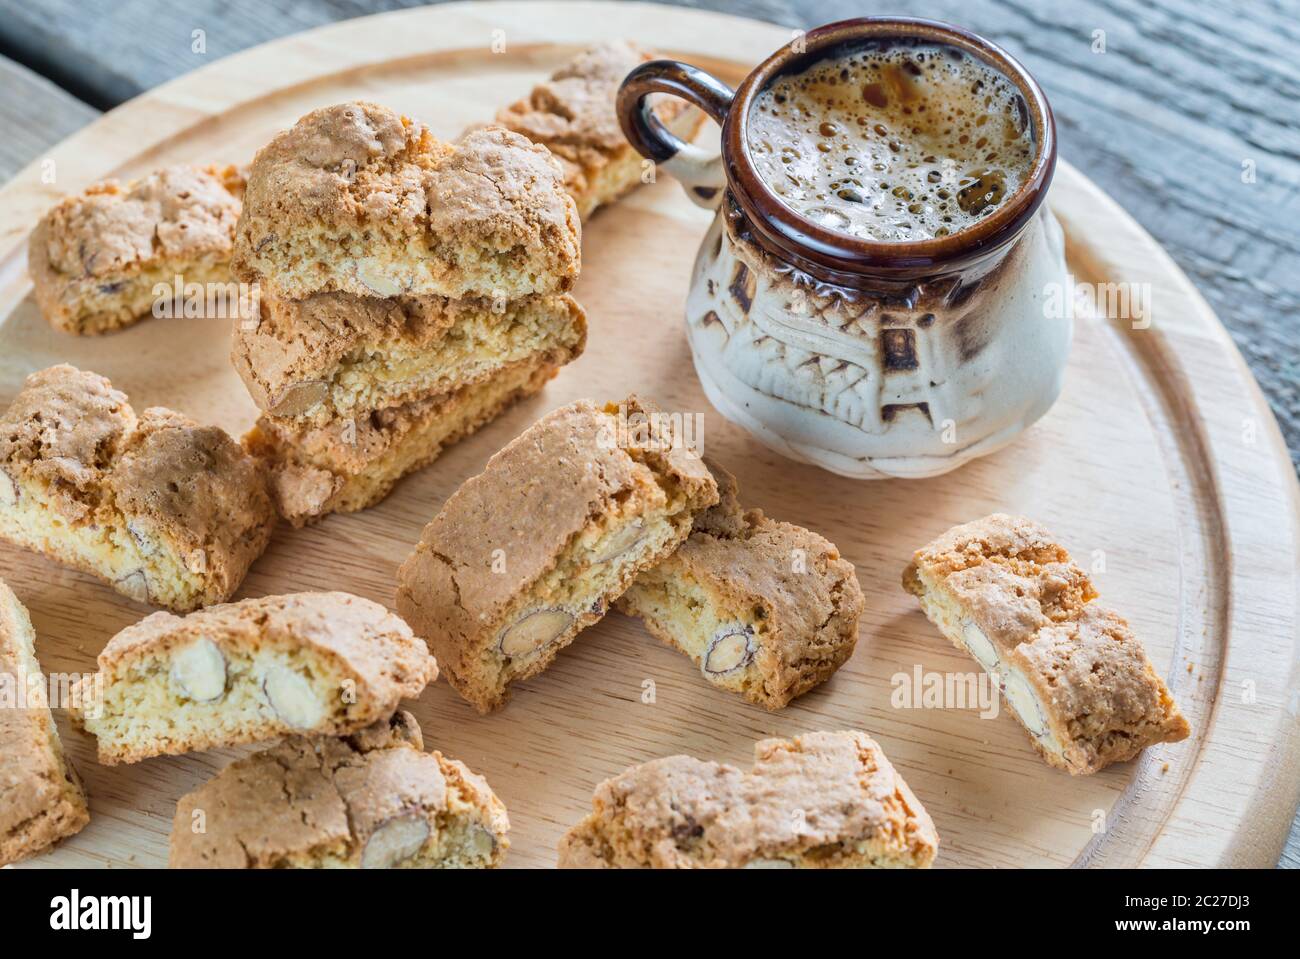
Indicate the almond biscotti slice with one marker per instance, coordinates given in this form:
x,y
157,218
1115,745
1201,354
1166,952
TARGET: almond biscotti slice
x,y
41,799
318,663
169,512
818,801
337,355
358,199
96,257
373,800
349,465
573,115
764,609
535,548
1002,589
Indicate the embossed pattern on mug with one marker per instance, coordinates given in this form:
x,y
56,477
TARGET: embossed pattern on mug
x,y
893,141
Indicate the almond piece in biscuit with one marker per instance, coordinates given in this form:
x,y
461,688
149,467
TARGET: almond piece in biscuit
x,y
96,257
1002,589
818,801
309,663
536,547
168,512
358,199
373,800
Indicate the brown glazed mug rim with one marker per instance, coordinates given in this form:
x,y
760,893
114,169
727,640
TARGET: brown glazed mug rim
x,y
839,257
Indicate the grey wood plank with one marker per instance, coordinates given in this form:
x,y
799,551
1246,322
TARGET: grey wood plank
x,y
107,51
34,114
1291,852
1185,97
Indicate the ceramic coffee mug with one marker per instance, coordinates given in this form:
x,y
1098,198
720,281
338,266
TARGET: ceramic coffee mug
x,y
868,358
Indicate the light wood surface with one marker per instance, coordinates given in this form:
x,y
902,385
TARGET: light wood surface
x,y
1161,461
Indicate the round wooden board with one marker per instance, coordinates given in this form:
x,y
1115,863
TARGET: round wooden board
x,y
1160,468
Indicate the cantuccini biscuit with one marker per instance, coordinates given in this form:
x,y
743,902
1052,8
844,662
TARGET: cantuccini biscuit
x,y
1076,677
96,257
318,663
169,512
373,800
765,609
537,546
351,464
336,355
818,801
573,115
358,199
41,799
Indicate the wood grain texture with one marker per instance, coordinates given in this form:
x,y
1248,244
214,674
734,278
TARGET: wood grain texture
x,y
1150,424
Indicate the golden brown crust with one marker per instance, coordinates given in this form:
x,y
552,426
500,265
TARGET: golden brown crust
x,y
573,115
727,517
368,655
787,586
336,355
41,799
64,430
982,550
356,198
194,484
557,481
95,256
1008,578
822,800
160,484
351,464
377,645
320,802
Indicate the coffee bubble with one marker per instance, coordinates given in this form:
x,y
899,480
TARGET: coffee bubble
x,y
893,142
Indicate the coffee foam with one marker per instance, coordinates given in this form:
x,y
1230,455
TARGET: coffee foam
x,y
893,143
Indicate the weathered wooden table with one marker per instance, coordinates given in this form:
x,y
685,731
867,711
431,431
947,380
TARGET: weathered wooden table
x,y
1184,111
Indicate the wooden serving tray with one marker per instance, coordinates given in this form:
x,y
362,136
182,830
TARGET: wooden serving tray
x,y
1160,467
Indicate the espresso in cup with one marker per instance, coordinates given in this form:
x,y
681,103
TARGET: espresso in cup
x,y
893,141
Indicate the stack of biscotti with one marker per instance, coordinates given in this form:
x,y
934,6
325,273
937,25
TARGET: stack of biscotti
x,y
410,291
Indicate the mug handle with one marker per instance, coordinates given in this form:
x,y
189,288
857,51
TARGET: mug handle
x,y
699,171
